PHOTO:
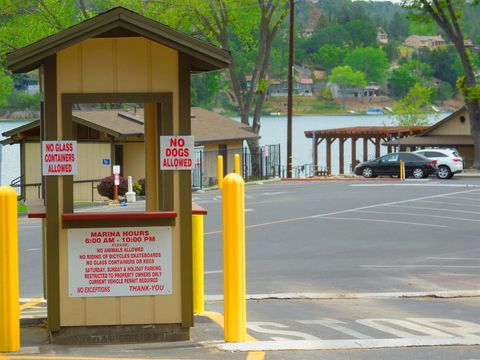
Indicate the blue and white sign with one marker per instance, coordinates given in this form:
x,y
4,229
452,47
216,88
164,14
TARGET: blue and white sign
x,y
106,161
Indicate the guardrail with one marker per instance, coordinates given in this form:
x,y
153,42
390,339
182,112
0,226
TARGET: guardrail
x,y
18,184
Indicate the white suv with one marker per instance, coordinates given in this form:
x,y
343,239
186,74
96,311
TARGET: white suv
x,y
449,162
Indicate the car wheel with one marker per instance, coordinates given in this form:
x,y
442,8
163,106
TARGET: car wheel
x,y
418,173
367,172
444,172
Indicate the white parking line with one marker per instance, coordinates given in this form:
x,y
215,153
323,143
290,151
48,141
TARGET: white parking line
x,y
416,215
461,198
383,221
393,203
451,258
213,272
427,184
421,266
288,220
448,203
436,209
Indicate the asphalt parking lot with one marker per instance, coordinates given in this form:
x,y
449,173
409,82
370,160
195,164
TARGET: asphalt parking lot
x,y
344,237
388,266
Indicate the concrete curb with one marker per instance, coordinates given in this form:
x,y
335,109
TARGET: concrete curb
x,y
32,321
452,294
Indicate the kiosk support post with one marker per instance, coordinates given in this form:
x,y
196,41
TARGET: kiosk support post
x,y
9,296
220,171
233,210
237,164
198,264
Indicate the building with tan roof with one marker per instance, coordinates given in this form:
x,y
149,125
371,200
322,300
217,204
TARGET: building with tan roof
x,y
115,137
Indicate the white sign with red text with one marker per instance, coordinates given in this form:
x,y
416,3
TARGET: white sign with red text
x,y
124,261
177,153
59,157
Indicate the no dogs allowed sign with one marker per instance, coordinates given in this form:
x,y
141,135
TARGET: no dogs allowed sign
x,y
177,153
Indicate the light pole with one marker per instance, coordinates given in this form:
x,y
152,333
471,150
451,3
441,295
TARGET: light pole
x,y
290,90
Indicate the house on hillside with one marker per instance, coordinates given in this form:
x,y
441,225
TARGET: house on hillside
x,y
116,137
382,36
452,131
26,83
429,42
371,90
470,45
319,73
301,87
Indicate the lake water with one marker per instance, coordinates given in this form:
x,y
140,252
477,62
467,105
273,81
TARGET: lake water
x,y
273,131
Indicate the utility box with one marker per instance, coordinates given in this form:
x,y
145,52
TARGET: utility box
x,y
122,276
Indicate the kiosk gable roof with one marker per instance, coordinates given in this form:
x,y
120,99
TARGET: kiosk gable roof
x,y
119,22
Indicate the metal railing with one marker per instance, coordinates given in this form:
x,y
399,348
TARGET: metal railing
x,y
262,164
306,171
18,183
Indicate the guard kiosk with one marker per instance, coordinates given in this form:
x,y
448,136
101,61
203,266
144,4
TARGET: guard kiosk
x,y
120,276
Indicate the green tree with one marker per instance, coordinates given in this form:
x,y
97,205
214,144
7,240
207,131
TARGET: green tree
x,y
6,85
205,89
371,61
422,28
406,76
398,26
363,32
442,92
329,56
248,29
391,49
345,77
401,80
333,35
442,62
448,15
411,110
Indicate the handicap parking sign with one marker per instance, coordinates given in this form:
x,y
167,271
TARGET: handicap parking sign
x,y
106,161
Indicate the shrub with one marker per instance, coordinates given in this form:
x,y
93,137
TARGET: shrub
x,y
137,188
106,186
142,184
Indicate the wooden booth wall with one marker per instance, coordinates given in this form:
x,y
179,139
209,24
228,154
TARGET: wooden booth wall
x,y
123,65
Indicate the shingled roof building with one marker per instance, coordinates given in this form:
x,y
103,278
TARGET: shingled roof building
x,y
108,137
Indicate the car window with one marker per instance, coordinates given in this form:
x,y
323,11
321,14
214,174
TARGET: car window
x,y
456,154
409,157
435,154
389,158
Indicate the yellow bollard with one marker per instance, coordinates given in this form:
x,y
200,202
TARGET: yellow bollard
x,y
237,164
234,288
9,294
402,174
198,270
220,171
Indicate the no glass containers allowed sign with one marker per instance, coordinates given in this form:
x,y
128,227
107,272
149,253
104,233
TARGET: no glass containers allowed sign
x,y
59,157
177,153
